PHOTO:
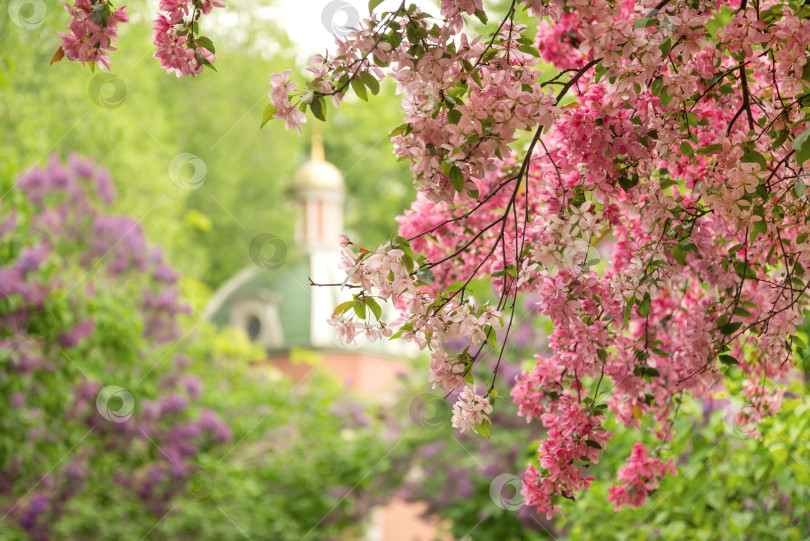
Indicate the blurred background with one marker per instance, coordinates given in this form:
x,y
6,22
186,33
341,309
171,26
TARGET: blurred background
x,y
167,372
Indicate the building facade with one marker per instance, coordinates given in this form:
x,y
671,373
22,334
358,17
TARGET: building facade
x,y
279,310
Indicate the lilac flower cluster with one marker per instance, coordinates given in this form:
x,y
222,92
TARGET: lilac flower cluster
x,y
61,258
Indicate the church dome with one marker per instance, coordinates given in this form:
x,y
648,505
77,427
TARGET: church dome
x,y
317,173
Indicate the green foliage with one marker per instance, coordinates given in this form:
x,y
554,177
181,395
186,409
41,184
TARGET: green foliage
x,y
728,486
286,464
139,126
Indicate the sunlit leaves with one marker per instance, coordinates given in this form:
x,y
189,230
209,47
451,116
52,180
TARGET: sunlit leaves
x,y
359,89
269,113
319,109
801,145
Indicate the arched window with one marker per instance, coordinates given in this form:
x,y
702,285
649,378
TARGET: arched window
x,y
254,328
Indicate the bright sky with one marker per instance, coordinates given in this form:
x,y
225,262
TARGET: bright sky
x,y
312,24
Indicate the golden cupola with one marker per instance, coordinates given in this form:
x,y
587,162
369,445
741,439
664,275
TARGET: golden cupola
x,y
318,191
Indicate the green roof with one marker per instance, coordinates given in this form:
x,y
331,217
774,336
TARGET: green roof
x,y
291,283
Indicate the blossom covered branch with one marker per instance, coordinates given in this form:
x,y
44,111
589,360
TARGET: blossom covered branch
x,y
639,165
180,47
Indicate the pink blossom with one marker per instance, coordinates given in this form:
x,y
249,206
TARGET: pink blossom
x,y
470,410
640,475
92,32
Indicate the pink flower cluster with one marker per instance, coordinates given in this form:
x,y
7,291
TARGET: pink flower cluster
x,y
279,98
470,410
659,213
384,274
573,437
178,49
93,29
446,372
640,476
487,120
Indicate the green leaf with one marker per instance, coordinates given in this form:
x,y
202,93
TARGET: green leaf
x,y
410,33
752,156
528,49
491,339
208,64
593,444
665,97
710,149
426,276
359,89
742,312
483,429
758,227
806,71
360,310
728,360
318,109
408,262
802,146
686,149
456,178
373,4
453,116
628,309
665,47
455,286
269,111
666,183
644,307
205,43
375,307
781,137
644,22
799,188
371,82
399,130
657,84
343,307
679,254
730,328
651,372
771,14
628,182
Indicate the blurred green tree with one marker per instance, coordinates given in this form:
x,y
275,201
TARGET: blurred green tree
x,y
140,120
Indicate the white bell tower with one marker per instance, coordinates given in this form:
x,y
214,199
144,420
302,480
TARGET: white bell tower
x,y
318,192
